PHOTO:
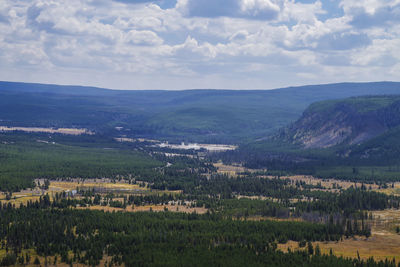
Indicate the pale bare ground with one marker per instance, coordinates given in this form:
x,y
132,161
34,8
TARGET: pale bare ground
x,y
195,146
383,244
131,140
154,208
69,131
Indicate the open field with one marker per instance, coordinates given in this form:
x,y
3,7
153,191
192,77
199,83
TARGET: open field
x,y
154,208
99,185
378,246
229,170
393,189
233,170
50,259
93,183
22,197
383,243
122,188
69,131
263,218
326,184
106,186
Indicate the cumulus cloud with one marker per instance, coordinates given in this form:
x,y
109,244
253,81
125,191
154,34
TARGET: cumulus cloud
x,y
259,8
143,38
134,1
300,12
253,9
383,16
193,43
343,41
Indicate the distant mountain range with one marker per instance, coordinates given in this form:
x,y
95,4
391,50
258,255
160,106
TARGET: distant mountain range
x,y
212,116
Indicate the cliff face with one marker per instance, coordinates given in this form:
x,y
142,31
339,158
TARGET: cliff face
x,y
349,121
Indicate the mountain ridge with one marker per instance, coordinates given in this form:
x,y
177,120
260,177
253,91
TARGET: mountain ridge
x,y
210,116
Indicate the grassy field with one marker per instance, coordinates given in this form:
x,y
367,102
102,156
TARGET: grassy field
x,y
120,188
384,242
393,189
153,208
50,259
23,196
326,184
23,160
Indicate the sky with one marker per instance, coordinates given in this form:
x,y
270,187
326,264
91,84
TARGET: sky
x,y
186,44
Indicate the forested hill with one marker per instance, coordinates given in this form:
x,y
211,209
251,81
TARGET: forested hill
x,y
214,116
347,121
353,138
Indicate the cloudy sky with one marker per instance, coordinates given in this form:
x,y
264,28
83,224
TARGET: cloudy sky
x,y
178,44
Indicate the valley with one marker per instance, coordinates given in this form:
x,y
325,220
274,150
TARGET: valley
x,y
174,181
192,133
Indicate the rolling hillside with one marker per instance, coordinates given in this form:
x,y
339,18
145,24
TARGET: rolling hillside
x,y
354,138
214,116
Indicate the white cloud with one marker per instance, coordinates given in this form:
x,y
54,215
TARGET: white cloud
x,y
370,6
208,43
252,9
380,52
259,8
304,13
143,38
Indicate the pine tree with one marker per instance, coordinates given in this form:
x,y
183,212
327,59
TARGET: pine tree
x,y
36,261
310,248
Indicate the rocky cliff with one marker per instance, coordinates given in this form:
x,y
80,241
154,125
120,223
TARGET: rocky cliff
x,y
347,121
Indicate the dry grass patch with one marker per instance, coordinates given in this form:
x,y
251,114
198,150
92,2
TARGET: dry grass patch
x,y
66,185
395,190
155,208
50,259
22,197
327,184
229,170
120,186
379,246
383,244
263,218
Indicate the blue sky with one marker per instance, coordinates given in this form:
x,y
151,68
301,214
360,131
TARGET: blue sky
x,y
184,44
